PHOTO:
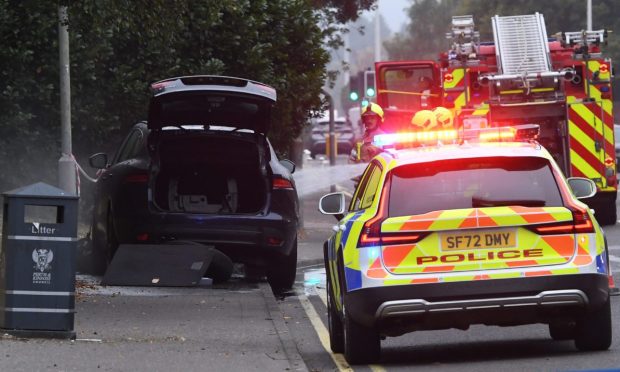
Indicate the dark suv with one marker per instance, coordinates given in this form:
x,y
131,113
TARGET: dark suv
x,y
202,170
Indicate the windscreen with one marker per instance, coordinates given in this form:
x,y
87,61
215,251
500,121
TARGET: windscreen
x,y
408,88
472,183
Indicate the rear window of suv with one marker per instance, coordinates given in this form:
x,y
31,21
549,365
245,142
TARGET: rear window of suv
x,y
472,183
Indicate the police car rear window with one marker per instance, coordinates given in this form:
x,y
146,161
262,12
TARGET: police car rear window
x,y
472,183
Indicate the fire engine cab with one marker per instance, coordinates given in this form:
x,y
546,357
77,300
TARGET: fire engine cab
x,y
562,83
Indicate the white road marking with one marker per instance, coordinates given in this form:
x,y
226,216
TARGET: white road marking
x,y
614,247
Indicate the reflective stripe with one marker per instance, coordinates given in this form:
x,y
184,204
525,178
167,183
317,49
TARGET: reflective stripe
x,y
37,310
42,238
40,293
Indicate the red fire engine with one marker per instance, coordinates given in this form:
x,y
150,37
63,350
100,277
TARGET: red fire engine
x,y
562,83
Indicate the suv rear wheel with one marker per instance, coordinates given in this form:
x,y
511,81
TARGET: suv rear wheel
x,y
282,271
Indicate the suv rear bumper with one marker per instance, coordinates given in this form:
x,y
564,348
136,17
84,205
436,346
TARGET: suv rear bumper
x,y
251,239
400,309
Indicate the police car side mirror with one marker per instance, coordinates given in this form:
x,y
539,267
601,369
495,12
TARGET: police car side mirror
x,y
582,187
98,161
333,204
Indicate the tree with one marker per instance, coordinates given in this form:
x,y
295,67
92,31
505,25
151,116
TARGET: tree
x,y
119,47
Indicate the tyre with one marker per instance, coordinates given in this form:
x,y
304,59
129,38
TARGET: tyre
x,y
362,345
593,330
221,267
111,240
334,323
281,273
562,331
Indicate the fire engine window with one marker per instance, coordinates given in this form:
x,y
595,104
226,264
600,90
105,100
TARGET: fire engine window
x,y
408,88
472,183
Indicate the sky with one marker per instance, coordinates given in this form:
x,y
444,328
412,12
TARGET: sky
x,y
393,12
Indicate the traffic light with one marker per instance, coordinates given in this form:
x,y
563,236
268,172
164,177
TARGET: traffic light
x,y
355,87
369,84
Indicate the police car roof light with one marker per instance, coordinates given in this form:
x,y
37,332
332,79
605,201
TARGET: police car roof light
x,y
414,138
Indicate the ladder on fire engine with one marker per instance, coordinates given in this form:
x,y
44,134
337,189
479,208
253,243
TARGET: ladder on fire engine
x,y
521,45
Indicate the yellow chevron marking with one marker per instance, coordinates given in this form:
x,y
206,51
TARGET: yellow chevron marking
x,y
583,165
457,75
606,103
589,117
582,138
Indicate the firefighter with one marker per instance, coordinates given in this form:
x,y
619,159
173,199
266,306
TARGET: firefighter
x,y
372,117
424,120
444,117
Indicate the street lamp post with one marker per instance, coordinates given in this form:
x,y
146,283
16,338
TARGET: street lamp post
x,y
67,177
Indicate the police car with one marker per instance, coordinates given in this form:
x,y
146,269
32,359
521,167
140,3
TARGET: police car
x,y
451,228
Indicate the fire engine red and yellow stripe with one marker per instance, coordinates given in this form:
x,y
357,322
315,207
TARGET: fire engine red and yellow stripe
x,y
455,87
586,128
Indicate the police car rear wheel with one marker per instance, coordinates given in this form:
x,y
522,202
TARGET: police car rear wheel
x,y
362,345
562,331
593,330
336,331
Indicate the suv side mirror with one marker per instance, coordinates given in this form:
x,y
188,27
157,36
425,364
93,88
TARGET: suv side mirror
x,y
582,187
98,160
333,204
289,165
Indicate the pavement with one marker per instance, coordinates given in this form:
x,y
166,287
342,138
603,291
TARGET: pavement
x,y
231,326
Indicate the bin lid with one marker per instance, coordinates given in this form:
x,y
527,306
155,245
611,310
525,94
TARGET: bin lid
x,y
40,190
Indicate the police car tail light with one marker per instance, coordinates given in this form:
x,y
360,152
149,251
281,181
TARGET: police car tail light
x,y
403,238
580,224
371,231
404,139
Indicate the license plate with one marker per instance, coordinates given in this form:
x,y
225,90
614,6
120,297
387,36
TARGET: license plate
x,y
478,240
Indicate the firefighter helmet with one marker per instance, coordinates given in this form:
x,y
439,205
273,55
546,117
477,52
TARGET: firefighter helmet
x,y
424,120
372,109
444,117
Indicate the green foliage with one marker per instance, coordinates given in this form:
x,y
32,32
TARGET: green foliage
x,y
118,47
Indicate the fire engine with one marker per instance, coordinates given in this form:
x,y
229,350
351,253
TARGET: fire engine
x,y
562,83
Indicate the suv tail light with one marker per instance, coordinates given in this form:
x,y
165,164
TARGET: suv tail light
x,y
137,178
281,183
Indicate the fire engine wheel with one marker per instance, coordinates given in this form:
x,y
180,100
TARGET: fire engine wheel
x,y
593,330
